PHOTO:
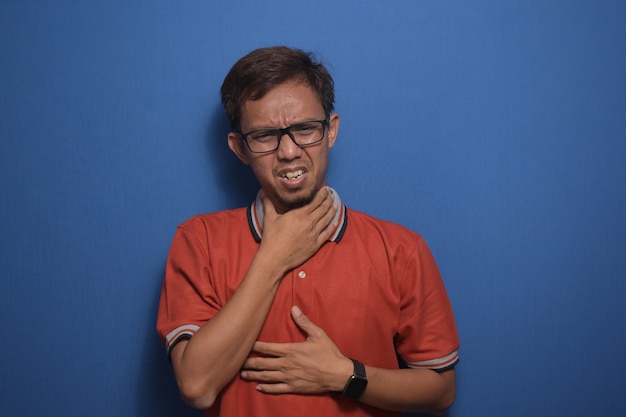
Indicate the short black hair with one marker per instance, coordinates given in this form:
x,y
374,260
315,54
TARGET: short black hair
x,y
258,72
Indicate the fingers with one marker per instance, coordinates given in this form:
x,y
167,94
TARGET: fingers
x,y
271,382
261,363
270,349
274,388
323,201
323,211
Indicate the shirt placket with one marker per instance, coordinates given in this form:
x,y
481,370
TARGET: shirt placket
x,y
303,288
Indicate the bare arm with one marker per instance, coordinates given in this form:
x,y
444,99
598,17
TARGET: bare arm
x,y
420,390
206,363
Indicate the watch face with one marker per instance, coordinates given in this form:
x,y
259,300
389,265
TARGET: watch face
x,y
356,387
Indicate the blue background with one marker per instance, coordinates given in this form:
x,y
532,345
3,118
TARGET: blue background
x,y
496,129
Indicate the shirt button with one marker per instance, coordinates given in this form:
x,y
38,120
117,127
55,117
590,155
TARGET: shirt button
x,y
302,274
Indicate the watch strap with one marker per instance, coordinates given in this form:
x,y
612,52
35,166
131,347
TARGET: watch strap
x,y
359,368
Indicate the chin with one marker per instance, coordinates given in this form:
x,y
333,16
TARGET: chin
x,y
296,202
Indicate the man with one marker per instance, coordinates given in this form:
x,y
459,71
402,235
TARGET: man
x,y
296,305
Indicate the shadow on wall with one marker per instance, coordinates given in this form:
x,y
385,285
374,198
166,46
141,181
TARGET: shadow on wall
x,y
157,393
238,184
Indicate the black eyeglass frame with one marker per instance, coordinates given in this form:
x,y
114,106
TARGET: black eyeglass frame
x,y
280,132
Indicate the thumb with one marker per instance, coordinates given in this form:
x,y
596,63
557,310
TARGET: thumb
x,y
303,321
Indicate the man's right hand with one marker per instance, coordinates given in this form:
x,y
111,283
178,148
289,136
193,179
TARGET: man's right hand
x,y
290,239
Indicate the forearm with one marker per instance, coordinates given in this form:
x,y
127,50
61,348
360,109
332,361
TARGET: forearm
x,y
419,390
206,363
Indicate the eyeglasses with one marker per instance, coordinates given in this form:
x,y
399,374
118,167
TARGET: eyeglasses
x,y
302,134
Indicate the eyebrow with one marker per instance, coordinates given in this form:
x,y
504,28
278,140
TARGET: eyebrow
x,y
311,119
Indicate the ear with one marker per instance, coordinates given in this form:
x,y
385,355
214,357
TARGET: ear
x,y
333,129
238,147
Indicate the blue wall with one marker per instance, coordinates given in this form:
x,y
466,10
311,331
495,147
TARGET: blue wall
x,y
496,129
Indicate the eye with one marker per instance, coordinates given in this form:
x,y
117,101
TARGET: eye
x,y
262,135
305,128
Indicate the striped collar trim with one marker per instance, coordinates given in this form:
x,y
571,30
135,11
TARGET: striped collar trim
x,y
256,213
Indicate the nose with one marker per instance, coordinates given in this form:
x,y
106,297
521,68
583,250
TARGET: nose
x,y
287,148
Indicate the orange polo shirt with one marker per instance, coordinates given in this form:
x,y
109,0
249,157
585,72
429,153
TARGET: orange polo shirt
x,y
375,289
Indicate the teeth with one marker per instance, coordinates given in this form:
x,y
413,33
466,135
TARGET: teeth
x,y
293,174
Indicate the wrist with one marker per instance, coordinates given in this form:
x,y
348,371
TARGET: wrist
x,y
269,264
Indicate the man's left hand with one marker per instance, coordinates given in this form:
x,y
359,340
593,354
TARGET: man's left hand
x,y
310,367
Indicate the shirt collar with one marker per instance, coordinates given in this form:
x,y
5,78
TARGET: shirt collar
x,y
256,214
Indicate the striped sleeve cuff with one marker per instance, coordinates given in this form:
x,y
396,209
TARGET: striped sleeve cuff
x,y
439,365
178,334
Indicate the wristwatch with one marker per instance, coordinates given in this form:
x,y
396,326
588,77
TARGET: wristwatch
x,y
357,382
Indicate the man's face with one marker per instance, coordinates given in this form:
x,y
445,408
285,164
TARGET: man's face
x,y
290,176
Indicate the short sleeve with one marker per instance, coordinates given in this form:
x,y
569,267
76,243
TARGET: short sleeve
x,y
427,335
187,297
